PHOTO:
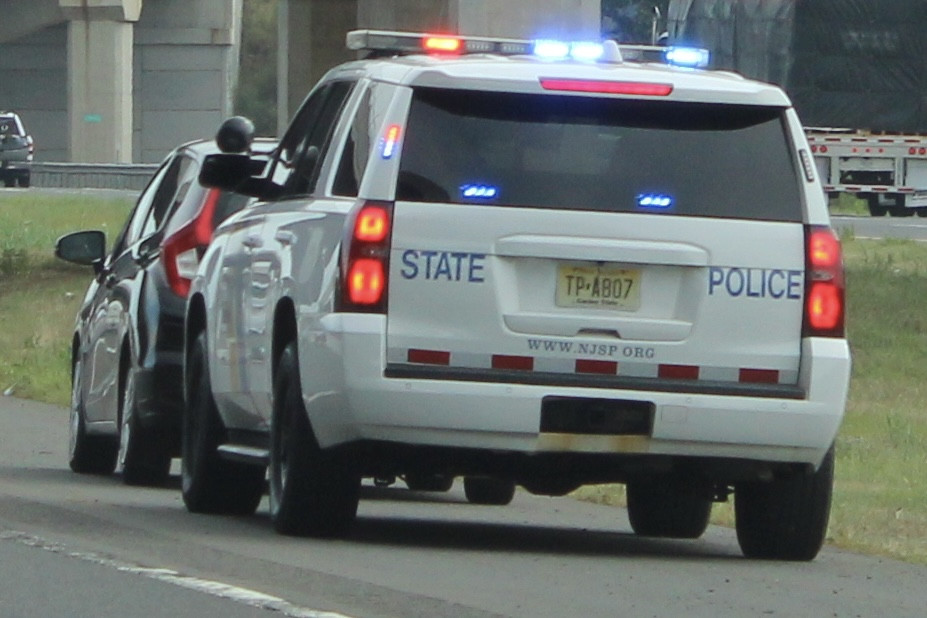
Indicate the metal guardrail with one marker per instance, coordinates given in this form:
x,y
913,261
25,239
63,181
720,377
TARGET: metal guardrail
x,y
124,176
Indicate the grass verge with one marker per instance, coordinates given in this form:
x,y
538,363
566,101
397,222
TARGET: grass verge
x,y
40,295
880,505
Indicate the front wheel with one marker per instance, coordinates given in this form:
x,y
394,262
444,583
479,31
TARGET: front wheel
x,y
209,483
429,482
488,491
668,507
311,491
785,519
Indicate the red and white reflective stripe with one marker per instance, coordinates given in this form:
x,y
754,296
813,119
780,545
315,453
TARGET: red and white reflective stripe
x,y
591,366
813,139
869,189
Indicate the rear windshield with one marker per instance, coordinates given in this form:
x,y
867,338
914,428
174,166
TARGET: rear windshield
x,y
9,126
585,153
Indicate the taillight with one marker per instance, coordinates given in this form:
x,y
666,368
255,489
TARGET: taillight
x,y
825,297
365,258
181,251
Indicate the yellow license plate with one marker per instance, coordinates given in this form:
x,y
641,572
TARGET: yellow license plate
x,y
594,285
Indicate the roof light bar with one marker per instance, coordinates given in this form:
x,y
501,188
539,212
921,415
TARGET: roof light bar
x,y
690,57
395,42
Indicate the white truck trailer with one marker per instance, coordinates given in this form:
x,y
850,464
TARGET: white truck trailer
x,y
855,68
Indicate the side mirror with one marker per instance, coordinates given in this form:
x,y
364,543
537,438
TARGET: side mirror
x,y
86,248
236,173
235,135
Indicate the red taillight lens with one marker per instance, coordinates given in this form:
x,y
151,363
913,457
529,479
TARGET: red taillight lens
x,y
825,294
365,259
181,251
366,281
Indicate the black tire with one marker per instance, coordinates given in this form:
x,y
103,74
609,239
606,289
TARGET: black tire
x,y
209,483
668,507
785,519
875,209
488,491
429,482
144,455
9,182
24,181
312,493
87,454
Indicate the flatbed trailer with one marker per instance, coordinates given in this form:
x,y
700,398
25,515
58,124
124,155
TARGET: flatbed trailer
x,y
889,172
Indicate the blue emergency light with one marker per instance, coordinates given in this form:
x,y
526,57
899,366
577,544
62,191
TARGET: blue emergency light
x,y
691,57
655,201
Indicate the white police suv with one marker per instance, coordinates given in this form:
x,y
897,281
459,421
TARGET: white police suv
x,y
523,264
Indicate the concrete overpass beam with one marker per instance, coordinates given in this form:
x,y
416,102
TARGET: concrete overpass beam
x,y
100,47
21,19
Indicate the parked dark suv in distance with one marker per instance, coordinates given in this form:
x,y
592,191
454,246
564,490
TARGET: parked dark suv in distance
x,y
16,151
127,347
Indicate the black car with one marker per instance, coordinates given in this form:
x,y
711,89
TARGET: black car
x,y
16,151
127,350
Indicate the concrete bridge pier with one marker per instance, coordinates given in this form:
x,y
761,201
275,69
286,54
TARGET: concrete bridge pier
x,y
100,59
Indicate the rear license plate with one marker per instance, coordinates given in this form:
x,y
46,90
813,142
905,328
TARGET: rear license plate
x,y
598,285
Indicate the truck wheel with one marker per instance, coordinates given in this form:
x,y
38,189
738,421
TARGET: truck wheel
x,y
667,507
311,492
488,491
143,455
87,454
9,182
876,209
209,483
785,519
429,482
24,181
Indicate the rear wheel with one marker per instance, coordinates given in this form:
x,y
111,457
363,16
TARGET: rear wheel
x,y
143,453
209,483
785,519
311,491
87,454
24,181
488,490
876,209
667,507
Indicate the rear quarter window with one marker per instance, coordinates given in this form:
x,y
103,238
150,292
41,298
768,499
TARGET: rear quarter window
x,y
594,153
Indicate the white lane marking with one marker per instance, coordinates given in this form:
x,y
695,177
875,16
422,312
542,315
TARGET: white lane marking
x,y
244,596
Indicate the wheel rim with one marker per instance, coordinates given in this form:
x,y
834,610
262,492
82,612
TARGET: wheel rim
x,y
74,415
281,460
192,431
128,407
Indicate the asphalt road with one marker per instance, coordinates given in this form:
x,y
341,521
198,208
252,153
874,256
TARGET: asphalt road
x,y
912,228
88,546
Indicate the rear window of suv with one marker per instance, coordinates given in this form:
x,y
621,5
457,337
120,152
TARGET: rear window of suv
x,y
9,126
586,153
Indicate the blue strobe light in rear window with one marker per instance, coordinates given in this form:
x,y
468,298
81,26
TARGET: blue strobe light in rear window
x,y
655,201
479,192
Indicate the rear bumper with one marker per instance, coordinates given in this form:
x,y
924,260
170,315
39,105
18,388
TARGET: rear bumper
x,y
352,399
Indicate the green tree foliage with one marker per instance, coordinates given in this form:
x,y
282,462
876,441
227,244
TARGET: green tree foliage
x,y
256,96
632,21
